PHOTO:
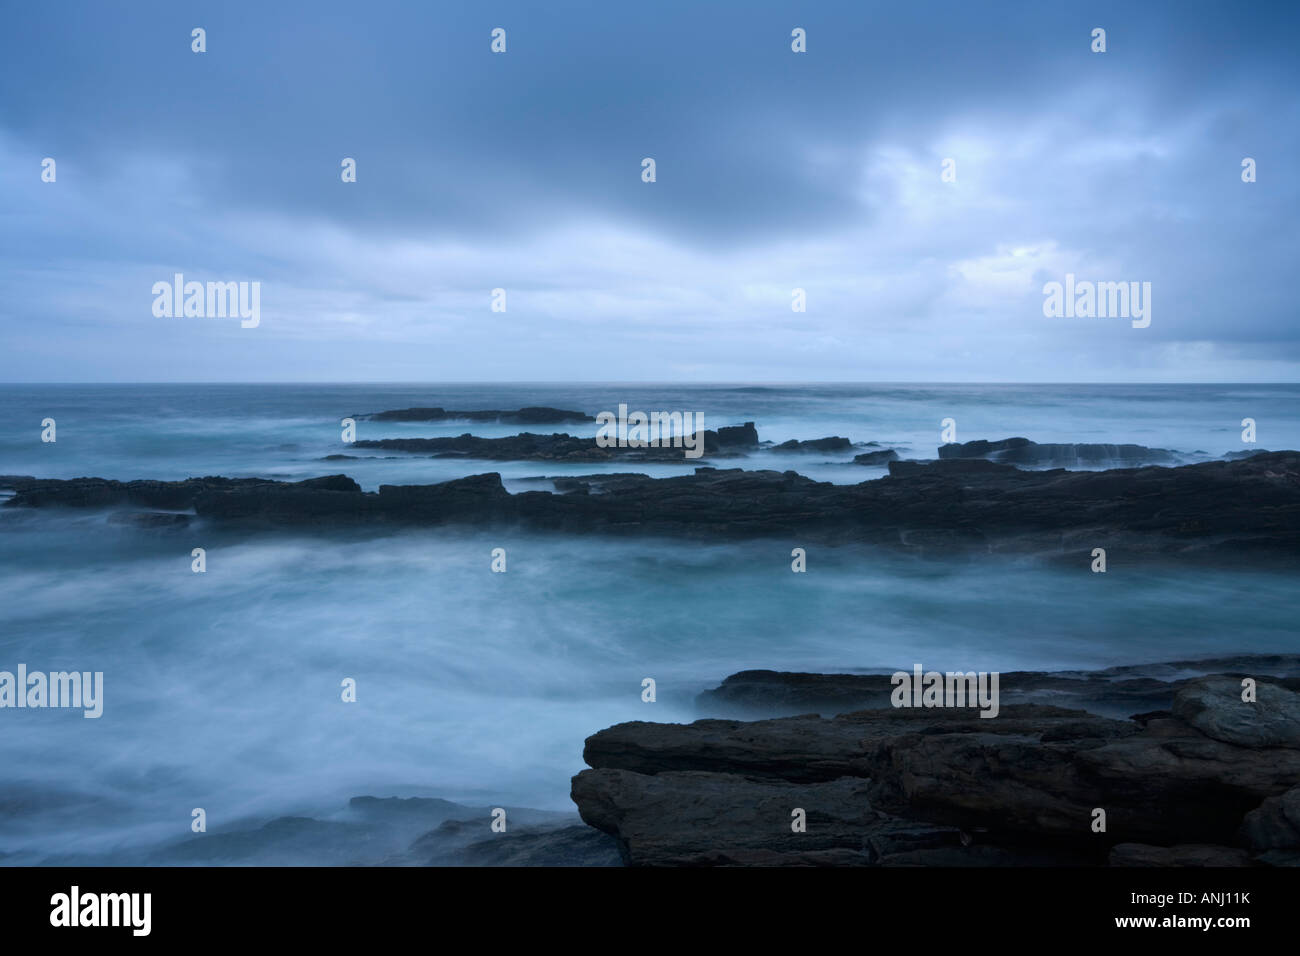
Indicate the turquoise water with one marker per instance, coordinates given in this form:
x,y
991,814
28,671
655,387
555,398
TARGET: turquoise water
x,y
222,689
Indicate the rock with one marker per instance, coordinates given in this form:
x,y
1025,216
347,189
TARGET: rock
x,y
1214,706
876,457
815,444
694,818
1187,854
1215,512
537,846
950,467
1114,692
528,446
1027,781
532,415
1022,451
1274,824
1238,455
734,436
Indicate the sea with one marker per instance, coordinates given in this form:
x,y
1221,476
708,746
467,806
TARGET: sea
x,y
223,690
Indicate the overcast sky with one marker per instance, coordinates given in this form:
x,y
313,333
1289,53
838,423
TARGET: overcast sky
x,y
775,170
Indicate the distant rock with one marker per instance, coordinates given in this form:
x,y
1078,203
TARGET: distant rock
x,y
1022,451
876,457
1238,455
532,415
815,444
528,446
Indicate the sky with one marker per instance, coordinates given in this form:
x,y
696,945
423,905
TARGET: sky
x,y
775,170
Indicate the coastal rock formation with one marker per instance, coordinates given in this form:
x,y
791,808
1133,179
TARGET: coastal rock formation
x,y
527,446
532,415
1213,706
815,444
1022,451
1273,829
1216,511
1025,782
1113,692
876,457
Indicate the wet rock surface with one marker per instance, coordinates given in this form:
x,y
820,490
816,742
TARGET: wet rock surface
x,y
945,786
527,446
1022,451
1220,512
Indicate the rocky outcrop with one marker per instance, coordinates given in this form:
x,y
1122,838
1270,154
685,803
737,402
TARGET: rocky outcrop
x,y
1215,512
174,495
815,444
532,415
1022,451
1214,706
1023,783
724,442
1273,829
1113,692
876,457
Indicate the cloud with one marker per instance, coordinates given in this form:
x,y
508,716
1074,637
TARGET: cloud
x,y
777,171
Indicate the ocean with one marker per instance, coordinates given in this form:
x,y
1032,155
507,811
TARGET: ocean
x,y
222,689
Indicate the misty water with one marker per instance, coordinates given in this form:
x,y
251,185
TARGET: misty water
x,y
222,689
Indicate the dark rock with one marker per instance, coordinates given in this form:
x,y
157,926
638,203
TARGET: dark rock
x,y
876,457
528,446
1238,455
1213,512
1022,451
1188,854
1113,692
541,846
949,467
815,444
690,818
1214,706
1030,777
532,415
1274,824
